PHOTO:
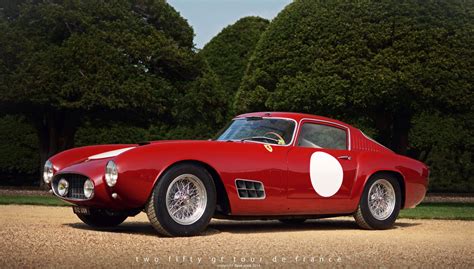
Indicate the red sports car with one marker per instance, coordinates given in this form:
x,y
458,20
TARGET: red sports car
x,y
266,165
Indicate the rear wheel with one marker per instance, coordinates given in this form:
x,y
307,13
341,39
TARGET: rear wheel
x,y
380,203
102,220
183,201
292,221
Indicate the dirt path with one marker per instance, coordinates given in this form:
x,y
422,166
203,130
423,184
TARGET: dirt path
x,y
51,237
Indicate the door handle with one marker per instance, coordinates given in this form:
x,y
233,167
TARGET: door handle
x,y
345,157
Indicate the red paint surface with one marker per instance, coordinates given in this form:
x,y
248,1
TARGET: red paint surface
x,y
284,171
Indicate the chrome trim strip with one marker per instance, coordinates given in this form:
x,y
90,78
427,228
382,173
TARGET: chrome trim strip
x,y
349,146
250,198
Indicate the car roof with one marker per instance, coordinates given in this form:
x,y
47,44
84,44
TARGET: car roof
x,y
292,115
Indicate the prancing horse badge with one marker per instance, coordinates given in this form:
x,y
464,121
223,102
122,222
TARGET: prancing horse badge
x,y
268,147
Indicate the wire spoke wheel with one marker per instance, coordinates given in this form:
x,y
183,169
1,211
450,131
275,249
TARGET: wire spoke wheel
x,y
381,199
186,199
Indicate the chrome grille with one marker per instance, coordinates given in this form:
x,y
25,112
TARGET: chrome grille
x,y
76,186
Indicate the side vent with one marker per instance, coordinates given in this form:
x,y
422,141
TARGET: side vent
x,y
250,189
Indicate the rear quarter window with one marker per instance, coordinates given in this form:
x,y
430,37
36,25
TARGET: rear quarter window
x,y
322,136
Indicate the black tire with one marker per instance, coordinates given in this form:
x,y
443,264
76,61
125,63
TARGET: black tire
x,y
292,221
157,211
101,220
365,218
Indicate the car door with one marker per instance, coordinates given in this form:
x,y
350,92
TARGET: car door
x,y
321,169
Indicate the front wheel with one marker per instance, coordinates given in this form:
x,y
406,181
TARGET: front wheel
x,y
183,201
101,220
380,203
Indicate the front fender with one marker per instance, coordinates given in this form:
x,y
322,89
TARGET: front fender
x,y
140,168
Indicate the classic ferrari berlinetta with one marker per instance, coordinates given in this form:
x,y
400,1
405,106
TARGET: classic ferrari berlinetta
x,y
267,165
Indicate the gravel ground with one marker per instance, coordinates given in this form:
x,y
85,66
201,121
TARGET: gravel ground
x,y
52,237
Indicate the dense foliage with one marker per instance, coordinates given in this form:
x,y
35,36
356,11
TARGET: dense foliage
x,y
446,143
382,65
19,158
92,72
64,61
229,51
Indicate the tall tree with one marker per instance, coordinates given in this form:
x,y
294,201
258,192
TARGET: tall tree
x,y
63,61
228,53
385,60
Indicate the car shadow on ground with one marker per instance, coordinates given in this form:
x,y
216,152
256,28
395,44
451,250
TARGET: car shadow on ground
x,y
276,226
242,227
129,227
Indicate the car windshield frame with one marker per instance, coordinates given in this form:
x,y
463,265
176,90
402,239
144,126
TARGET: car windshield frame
x,y
289,143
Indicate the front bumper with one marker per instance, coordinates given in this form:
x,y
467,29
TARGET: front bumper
x,y
104,196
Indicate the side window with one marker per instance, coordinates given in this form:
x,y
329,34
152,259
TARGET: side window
x,y
322,136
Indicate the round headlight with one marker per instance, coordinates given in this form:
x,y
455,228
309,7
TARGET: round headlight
x,y
88,189
111,173
48,171
63,187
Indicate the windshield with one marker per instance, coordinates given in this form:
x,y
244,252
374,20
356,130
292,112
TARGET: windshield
x,y
266,130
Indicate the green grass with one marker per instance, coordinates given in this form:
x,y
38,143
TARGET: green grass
x,y
32,200
450,211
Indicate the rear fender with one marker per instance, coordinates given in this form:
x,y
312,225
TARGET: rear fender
x,y
411,172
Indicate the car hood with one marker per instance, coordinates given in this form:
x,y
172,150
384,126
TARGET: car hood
x,y
113,153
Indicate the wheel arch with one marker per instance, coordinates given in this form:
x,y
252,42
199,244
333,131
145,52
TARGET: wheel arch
x,y
222,199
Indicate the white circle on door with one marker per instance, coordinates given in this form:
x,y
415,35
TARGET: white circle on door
x,y
326,174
